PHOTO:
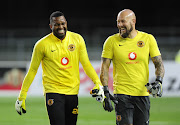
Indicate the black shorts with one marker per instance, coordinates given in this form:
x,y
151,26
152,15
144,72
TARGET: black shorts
x,y
62,109
132,110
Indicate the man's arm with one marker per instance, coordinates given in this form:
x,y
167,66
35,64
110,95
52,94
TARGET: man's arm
x,y
156,88
35,62
159,67
36,58
104,76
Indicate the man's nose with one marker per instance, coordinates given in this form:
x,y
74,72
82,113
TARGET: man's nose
x,y
61,26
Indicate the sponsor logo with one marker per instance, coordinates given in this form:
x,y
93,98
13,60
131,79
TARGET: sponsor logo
x,y
64,61
132,55
132,62
71,47
50,102
65,68
140,44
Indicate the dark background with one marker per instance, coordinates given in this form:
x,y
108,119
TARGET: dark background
x,y
28,20
31,13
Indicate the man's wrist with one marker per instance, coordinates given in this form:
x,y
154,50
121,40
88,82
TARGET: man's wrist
x,y
106,89
159,79
22,95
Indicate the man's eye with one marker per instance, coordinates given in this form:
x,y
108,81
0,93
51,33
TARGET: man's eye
x,y
56,24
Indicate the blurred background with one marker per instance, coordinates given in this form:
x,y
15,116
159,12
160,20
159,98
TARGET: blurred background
x,y
24,22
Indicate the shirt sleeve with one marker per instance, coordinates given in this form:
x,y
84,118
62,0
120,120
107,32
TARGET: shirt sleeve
x,y
107,49
84,59
153,47
36,58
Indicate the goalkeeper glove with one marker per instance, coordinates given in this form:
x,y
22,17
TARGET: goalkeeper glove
x,y
155,88
20,105
107,101
98,93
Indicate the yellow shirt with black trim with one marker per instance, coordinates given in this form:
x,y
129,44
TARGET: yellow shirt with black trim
x,y
130,62
60,63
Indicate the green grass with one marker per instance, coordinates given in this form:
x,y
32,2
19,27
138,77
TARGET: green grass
x,y
164,111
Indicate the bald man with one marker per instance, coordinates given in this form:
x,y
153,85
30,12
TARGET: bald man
x,y
129,51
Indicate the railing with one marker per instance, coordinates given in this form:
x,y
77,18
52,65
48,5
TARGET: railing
x,y
17,46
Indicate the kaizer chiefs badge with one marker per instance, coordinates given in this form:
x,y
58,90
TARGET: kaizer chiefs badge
x,y
140,44
71,47
50,102
118,118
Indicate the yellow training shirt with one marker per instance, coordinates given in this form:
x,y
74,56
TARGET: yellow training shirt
x,y
60,63
130,62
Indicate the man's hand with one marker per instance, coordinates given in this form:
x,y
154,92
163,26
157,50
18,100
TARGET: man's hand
x,y
98,93
107,101
155,88
20,105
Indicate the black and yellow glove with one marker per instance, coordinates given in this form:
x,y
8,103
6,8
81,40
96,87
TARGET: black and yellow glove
x,y
20,106
98,93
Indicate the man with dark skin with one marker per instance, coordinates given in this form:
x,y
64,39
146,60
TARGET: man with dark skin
x,y
129,51
59,26
59,53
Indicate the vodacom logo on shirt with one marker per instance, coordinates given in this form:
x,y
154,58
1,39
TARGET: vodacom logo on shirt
x,y
64,61
132,55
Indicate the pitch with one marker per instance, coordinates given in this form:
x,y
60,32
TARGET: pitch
x,y
164,111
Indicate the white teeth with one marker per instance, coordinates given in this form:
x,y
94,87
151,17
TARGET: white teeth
x,y
61,31
123,29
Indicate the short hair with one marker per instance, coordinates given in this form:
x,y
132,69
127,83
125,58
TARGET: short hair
x,y
55,14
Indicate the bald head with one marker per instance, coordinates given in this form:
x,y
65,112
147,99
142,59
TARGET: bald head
x,y
127,13
126,21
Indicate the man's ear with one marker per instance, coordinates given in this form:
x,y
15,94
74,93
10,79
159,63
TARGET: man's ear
x,y
134,21
50,26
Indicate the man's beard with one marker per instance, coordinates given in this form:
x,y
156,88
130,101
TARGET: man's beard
x,y
126,34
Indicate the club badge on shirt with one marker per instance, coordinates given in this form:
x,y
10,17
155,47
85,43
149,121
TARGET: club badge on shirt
x,y
71,47
140,44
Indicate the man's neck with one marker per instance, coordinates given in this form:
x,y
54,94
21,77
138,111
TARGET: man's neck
x,y
133,34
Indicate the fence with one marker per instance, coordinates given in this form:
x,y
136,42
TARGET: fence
x,y
13,73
